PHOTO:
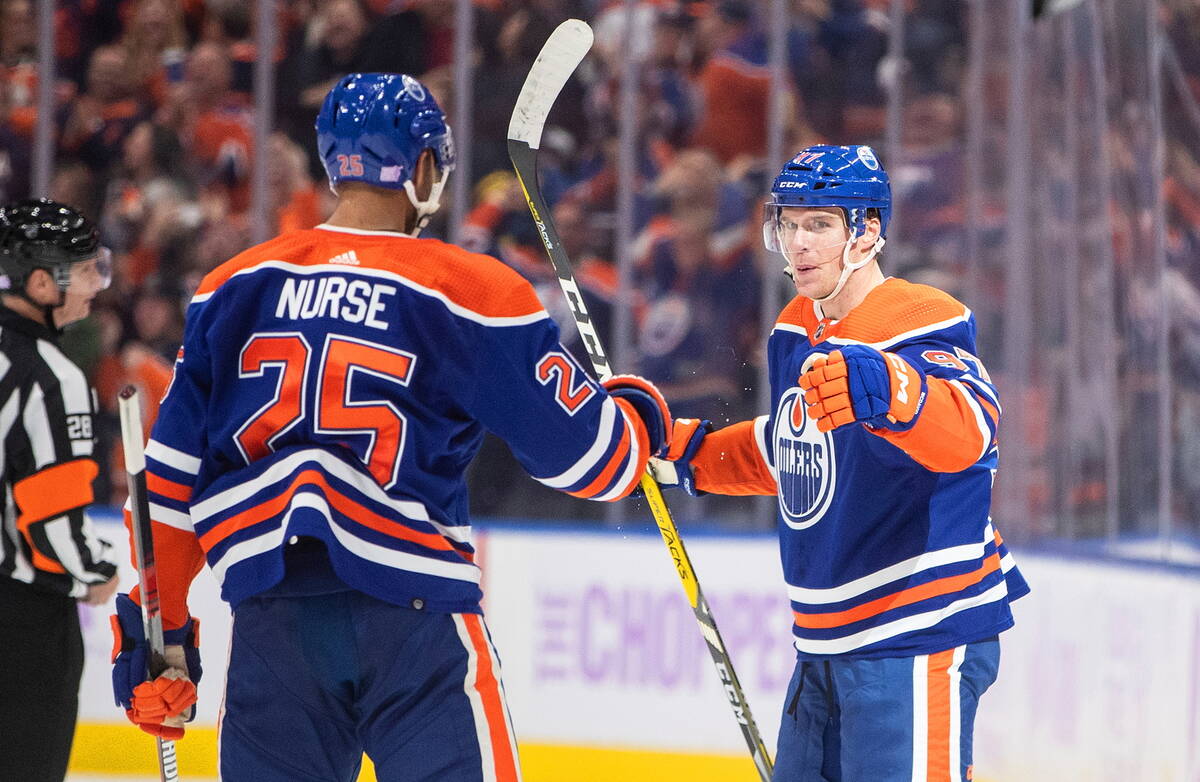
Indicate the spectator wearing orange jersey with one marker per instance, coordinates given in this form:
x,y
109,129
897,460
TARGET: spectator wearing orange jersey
x,y
215,124
156,43
734,83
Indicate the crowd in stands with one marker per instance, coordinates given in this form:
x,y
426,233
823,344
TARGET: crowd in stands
x,y
155,116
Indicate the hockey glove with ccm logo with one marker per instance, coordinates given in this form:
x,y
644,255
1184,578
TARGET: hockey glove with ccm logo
x,y
156,706
674,470
858,383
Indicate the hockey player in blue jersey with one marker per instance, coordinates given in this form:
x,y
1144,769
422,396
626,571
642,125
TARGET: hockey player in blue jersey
x,y
332,388
881,448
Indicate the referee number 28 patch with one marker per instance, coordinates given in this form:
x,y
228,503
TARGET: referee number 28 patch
x,y
79,427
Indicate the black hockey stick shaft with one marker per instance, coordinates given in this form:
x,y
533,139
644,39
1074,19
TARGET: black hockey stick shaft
x,y
550,71
143,547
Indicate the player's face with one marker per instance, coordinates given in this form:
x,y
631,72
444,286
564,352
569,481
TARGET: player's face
x,y
812,240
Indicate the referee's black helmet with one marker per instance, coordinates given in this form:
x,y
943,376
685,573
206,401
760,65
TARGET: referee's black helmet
x,y
38,233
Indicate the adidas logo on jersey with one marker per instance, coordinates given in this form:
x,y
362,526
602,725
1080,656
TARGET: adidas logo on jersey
x,y
346,259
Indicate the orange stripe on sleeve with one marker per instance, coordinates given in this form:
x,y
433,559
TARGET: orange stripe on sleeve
x,y
49,493
488,687
54,491
938,710
643,449
168,488
43,562
936,588
730,462
946,437
618,458
989,408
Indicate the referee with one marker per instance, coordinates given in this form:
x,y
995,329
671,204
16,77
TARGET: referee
x,y
51,266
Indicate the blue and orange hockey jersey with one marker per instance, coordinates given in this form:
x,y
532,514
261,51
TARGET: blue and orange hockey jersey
x,y
887,544
336,383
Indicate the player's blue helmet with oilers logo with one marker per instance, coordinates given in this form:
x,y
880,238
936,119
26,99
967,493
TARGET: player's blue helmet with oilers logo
x,y
848,178
373,127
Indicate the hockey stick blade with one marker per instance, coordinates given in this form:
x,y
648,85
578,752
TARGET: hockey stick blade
x,y
560,56
564,50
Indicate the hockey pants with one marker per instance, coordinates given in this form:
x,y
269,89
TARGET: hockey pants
x,y
316,681
907,719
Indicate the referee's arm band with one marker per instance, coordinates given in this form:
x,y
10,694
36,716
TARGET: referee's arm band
x,y
49,493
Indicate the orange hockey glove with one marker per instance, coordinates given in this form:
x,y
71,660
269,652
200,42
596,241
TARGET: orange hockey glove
x,y
156,706
159,704
858,383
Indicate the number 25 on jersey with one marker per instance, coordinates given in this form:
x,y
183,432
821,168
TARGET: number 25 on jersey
x,y
379,426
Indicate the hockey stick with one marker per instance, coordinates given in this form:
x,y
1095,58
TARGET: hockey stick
x,y
143,545
561,54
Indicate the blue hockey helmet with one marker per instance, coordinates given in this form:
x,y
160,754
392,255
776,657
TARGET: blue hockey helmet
x,y
373,127
849,178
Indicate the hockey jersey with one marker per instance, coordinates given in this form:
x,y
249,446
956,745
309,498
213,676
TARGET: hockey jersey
x,y
887,544
336,383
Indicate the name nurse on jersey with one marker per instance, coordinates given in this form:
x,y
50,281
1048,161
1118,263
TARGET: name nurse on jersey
x,y
804,461
354,301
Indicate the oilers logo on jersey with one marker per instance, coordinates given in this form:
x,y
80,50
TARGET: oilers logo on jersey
x,y
807,472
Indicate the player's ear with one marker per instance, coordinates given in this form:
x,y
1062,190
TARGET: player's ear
x,y
425,174
872,226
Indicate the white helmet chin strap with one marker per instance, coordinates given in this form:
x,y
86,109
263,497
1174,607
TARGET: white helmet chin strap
x,y
849,268
427,208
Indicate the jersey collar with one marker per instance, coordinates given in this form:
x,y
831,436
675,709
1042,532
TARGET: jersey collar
x,y
361,231
18,322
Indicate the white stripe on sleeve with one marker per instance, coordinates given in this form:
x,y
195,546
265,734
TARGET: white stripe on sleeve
x,y
760,439
604,438
985,431
171,457
631,467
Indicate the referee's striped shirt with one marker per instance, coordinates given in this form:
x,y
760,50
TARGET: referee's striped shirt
x,y
46,464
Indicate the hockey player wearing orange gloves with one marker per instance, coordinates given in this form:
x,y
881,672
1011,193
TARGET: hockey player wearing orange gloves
x,y
880,447
333,386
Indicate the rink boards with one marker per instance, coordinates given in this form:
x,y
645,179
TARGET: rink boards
x,y
607,677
